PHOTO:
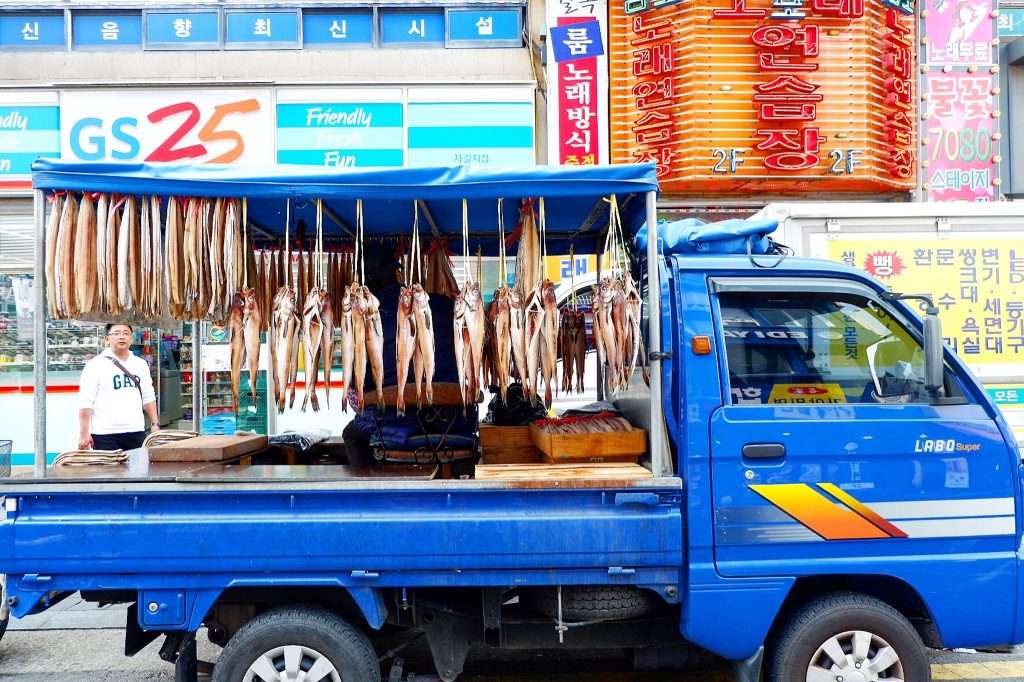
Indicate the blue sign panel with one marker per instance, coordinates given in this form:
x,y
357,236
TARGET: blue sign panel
x,y
485,27
412,27
182,30
261,30
26,133
32,31
341,134
1010,22
324,29
577,41
452,133
106,30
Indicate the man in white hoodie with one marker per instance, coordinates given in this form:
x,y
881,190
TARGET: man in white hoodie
x,y
114,391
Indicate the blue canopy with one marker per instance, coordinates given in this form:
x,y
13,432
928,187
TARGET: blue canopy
x,y
574,195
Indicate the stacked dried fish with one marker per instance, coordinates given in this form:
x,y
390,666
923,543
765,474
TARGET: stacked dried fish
x,y
602,422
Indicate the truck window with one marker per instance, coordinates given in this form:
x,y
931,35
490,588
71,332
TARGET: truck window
x,y
816,348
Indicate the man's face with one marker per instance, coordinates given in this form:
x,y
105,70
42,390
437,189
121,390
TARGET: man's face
x,y
119,338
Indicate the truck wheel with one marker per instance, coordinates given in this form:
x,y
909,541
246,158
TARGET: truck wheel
x,y
594,602
297,643
3,626
850,637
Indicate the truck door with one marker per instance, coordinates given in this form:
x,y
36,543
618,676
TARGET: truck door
x,y
828,454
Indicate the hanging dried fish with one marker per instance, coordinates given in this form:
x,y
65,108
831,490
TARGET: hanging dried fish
x,y
358,342
549,352
174,259
347,345
252,323
216,261
111,272
405,344
102,208
425,349
528,263
66,258
236,337
283,342
374,331
312,336
52,237
327,341
125,259
502,336
142,302
85,255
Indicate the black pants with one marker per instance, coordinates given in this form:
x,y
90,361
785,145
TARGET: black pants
x,y
118,441
357,446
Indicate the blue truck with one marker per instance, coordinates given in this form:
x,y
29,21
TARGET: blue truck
x,y
831,491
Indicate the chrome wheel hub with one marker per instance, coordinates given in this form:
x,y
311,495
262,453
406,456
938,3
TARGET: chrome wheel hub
x,y
855,656
292,663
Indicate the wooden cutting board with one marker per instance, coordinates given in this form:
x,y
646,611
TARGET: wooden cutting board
x,y
207,448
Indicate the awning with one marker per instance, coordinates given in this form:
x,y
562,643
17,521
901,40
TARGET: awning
x,y
575,206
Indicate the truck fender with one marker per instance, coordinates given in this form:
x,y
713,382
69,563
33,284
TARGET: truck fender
x,y
370,601
732,618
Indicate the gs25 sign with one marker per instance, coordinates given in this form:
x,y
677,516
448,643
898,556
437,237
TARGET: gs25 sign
x,y
167,126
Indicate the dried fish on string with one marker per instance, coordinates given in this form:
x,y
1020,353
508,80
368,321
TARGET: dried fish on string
x,y
102,208
56,201
469,326
284,330
125,259
65,276
236,339
111,273
174,261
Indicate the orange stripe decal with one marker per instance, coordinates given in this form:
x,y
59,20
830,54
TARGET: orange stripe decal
x,y
862,509
821,515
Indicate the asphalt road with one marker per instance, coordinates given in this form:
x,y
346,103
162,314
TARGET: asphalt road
x,y
78,642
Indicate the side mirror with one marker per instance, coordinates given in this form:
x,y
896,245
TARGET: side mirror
x,y
933,364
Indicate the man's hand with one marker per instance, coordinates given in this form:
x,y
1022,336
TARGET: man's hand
x,y
85,442
154,428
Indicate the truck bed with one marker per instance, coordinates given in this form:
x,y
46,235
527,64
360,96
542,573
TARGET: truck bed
x,y
223,525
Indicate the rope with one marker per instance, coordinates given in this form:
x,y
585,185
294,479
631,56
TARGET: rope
x,y
245,241
318,263
572,273
543,250
287,243
465,239
502,274
360,250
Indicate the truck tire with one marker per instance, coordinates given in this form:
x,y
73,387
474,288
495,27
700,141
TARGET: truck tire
x,y
868,639
3,626
277,644
594,602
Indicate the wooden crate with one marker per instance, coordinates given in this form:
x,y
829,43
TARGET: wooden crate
x,y
508,445
613,446
505,436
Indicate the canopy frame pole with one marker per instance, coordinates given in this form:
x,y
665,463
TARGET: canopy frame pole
x,y
39,336
659,450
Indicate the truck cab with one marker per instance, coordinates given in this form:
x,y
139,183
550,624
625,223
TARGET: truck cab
x,y
817,462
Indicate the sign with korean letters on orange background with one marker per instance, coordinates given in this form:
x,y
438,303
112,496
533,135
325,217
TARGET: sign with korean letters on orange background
x,y
766,96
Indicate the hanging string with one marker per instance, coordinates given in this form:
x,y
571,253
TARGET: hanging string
x,y
245,242
359,260
543,250
572,273
465,240
415,250
287,243
318,264
502,274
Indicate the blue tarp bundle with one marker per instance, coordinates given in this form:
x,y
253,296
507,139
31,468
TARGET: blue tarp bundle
x,y
692,235
575,208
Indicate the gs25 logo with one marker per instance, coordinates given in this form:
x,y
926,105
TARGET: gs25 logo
x,y
91,146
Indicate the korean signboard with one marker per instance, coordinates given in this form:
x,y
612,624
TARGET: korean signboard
x,y
29,128
977,283
960,155
161,126
766,95
577,72
413,126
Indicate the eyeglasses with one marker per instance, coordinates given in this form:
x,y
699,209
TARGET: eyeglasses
x,y
119,334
